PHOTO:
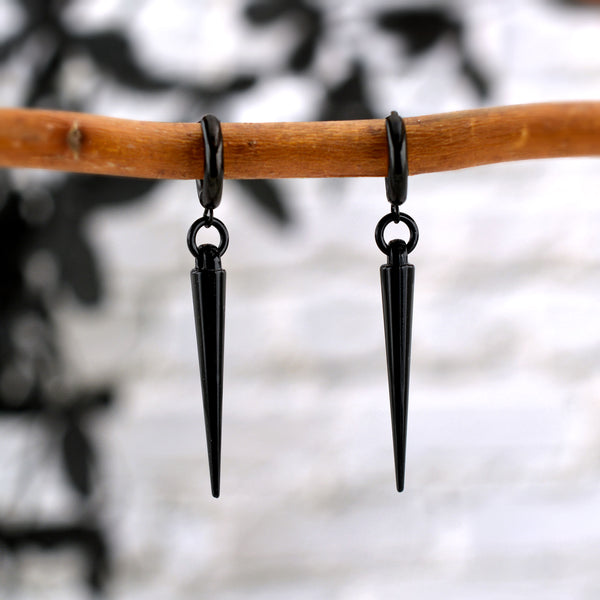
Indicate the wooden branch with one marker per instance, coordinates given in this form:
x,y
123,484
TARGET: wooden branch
x,y
86,143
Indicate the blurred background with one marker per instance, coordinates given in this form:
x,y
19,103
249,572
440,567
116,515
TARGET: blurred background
x,y
104,488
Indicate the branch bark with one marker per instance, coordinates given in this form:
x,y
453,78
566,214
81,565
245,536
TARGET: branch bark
x,y
87,143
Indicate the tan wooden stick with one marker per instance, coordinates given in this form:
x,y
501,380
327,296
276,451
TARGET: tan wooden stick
x,y
87,143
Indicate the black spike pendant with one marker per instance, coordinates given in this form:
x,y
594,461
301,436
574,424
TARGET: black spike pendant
x,y
397,285
208,292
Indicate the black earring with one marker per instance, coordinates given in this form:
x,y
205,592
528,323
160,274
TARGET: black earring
x,y
208,293
397,284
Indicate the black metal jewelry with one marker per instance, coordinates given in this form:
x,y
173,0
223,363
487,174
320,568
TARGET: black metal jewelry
x,y
208,293
397,285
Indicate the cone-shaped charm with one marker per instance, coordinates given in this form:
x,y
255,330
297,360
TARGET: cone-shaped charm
x,y
208,291
397,283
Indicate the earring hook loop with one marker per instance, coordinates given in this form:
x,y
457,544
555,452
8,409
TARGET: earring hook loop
x,y
211,187
396,182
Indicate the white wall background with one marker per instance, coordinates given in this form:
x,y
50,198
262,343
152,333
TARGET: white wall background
x,y
503,489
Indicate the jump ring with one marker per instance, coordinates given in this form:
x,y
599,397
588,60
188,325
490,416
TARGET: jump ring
x,y
203,222
396,218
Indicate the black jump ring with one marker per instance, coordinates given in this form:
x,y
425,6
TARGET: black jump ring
x,y
396,182
204,222
396,218
211,187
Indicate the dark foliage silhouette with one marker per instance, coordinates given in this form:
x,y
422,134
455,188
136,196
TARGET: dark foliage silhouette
x,y
420,29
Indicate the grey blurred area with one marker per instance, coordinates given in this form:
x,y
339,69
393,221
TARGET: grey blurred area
x,y
503,462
